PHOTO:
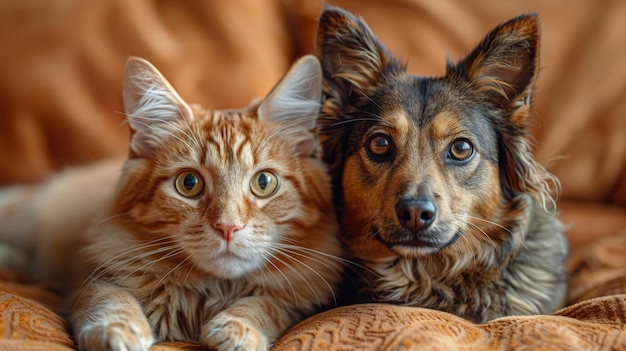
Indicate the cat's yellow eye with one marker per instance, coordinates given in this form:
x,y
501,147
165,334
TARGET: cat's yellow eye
x,y
189,183
264,184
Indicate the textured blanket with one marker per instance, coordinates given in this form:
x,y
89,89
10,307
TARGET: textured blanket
x,y
596,322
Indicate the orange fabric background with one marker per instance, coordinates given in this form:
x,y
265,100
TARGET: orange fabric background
x,y
62,62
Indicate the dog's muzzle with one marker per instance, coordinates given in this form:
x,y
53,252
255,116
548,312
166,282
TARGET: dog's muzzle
x,y
416,213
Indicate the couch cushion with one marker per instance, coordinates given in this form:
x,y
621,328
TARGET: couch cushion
x,y
593,324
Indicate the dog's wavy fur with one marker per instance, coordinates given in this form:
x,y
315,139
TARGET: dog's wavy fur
x,y
438,192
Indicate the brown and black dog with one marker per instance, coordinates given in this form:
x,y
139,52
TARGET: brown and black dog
x,y
438,193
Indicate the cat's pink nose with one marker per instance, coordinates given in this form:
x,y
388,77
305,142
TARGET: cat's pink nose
x,y
228,230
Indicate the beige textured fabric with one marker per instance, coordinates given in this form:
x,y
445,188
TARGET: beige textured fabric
x,y
60,100
597,322
593,324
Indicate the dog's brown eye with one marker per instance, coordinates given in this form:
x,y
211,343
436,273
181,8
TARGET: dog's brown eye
x,y
379,145
461,150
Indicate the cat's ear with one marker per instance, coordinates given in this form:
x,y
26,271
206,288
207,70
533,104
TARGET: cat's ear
x,y
353,60
504,65
153,107
295,103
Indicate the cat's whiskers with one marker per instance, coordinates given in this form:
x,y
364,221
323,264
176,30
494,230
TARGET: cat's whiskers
x,y
266,278
100,271
104,220
116,256
302,277
354,266
293,291
158,283
172,251
125,258
324,259
291,255
189,271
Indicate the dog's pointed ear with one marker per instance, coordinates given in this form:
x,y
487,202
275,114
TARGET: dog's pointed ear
x,y
352,58
504,65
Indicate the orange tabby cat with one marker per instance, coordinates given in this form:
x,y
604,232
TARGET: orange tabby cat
x,y
221,228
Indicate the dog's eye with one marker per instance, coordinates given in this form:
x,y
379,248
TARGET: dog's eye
x,y
379,145
461,150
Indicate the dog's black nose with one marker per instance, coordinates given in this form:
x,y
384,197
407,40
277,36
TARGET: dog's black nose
x,y
416,213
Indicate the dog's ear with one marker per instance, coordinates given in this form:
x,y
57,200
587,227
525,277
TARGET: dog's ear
x,y
353,64
504,67
352,58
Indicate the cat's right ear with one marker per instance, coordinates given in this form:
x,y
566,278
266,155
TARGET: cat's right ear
x,y
295,103
153,107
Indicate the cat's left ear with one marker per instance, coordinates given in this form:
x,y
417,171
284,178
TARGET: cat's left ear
x,y
153,107
295,103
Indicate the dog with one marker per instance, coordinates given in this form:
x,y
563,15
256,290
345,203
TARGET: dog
x,y
437,191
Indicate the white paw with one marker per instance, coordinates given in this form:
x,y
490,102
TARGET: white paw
x,y
116,336
228,333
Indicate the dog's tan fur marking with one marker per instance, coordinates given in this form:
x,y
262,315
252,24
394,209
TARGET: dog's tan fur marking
x,y
446,126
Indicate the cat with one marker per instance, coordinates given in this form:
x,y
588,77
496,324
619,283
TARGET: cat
x,y
220,229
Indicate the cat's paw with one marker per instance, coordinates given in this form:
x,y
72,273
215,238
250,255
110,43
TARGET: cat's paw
x,y
116,336
229,333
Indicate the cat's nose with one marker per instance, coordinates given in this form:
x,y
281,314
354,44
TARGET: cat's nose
x,y
228,230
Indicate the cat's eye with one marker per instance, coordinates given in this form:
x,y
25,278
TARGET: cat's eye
x,y
461,150
189,183
264,184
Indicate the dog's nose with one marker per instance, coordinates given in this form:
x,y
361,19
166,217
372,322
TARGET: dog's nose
x,y
416,213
